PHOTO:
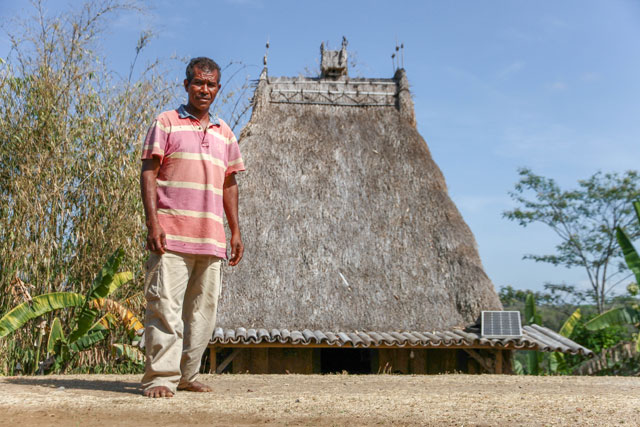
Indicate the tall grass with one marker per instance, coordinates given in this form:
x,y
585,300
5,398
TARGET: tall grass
x,y
70,134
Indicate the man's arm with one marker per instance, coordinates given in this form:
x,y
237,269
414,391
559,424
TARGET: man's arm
x,y
230,202
156,238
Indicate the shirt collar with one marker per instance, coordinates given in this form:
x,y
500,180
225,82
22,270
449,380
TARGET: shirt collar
x,y
183,113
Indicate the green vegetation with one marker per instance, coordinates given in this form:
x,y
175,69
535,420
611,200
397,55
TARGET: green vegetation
x,y
549,310
585,219
87,330
534,362
71,130
629,313
607,333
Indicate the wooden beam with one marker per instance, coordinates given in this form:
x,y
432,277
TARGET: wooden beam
x,y
228,360
478,358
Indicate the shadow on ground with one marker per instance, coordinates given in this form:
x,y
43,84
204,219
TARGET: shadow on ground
x,y
125,387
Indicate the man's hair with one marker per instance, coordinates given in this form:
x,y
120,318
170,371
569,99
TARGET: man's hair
x,y
205,64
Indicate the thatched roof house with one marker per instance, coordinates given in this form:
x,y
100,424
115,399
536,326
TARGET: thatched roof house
x,y
350,235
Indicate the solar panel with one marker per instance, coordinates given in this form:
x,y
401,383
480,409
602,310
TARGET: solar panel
x,y
497,324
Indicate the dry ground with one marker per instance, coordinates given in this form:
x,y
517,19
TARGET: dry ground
x,y
325,400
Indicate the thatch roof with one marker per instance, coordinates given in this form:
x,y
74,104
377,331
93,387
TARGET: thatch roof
x,y
345,216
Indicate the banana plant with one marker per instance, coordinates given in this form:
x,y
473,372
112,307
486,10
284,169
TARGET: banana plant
x,y
627,315
87,329
557,360
534,358
630,253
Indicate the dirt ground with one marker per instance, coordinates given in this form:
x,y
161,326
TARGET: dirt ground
x,y
325,400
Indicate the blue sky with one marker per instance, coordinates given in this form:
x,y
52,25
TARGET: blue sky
x,y
497,85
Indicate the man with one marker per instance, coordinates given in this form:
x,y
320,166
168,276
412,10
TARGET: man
x,y
189,161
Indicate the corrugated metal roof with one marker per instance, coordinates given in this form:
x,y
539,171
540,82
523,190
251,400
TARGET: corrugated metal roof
x,y
534,337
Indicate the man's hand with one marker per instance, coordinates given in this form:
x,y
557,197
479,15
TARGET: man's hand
x,y
237,249
156,239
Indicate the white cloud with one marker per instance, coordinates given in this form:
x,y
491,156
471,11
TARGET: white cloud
x,y
514,67
559,85
590,76
552,23
512,33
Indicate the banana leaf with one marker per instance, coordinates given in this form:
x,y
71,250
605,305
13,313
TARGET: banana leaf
x,y
557,363
530,310
38,306
517,367
107,281
104,284
615,316
94,335
570,324
108,321
533,363
129,320
56,334
630,254
531,316
128,352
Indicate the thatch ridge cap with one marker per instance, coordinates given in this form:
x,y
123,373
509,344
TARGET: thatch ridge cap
x,y
300,79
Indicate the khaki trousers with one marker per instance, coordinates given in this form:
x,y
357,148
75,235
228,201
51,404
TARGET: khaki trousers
x,y
182,293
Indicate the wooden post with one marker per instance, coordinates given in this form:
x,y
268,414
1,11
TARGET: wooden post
x,y
507,361
213,360
498,363
401,359
259,361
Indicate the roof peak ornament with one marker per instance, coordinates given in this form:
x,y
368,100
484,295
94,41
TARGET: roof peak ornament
x,y
333,63
266,53
397,57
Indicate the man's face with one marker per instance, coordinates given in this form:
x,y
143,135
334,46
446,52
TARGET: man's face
x,y
203,88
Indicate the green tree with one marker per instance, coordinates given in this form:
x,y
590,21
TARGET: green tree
x,y
585,220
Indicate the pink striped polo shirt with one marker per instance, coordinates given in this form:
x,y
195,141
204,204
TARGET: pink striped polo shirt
x,y
194,163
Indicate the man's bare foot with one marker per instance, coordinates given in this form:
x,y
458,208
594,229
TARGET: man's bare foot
x,y
196,386
159,391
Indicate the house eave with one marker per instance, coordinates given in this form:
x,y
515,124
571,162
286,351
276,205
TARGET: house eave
x,y
534,338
